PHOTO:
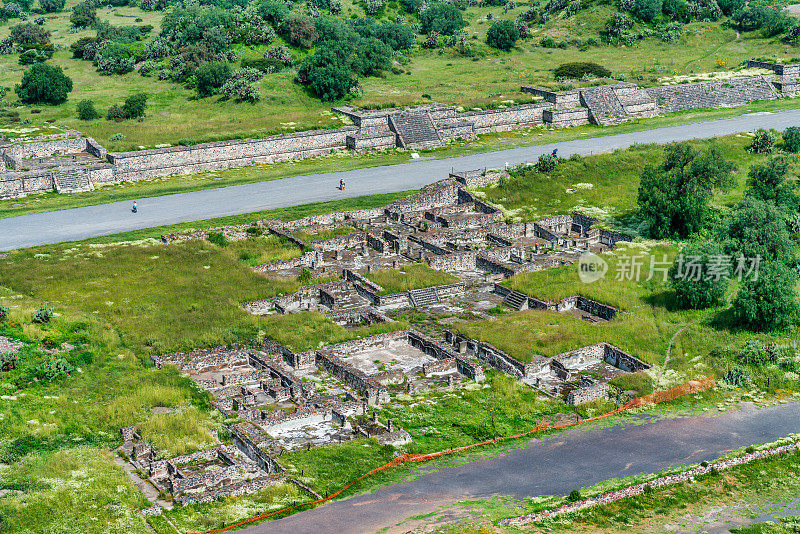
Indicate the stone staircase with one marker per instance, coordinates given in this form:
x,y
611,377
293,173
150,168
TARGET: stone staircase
x,y
71,181
516,300
421,298
604,106
415,130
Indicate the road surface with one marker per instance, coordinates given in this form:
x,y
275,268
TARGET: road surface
x,y
105,219
552,466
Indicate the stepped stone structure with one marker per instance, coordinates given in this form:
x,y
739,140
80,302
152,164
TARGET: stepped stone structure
x,y
70,162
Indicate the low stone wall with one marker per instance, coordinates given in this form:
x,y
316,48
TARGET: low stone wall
x,y
225,154
41,149
567,117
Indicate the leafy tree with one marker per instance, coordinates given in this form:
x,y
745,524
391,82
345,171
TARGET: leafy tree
x,y
699,279
274,12
728,7
44,84
83,14
756,228
397,36
444,19
134,106
87,111
300,31
767,301
791,139
29,33
647,10
52,6
502,34
674,197
770,20
768,182
372,57
330,82
211,76
677,10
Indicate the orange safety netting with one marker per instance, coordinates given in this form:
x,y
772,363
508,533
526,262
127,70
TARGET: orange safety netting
x,y
686,388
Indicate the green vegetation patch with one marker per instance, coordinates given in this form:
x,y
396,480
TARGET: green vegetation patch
x,y
409,277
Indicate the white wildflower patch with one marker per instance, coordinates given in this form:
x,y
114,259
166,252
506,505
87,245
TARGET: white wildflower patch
x,y
583,185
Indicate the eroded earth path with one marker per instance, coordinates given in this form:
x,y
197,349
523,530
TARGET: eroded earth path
x,y
551,466
105,219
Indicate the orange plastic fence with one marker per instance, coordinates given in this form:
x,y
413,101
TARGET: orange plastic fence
x,y
686,388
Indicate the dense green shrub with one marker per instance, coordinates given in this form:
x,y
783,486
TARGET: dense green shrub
x,y
768,301
211,76
699,281
239,87
53,368
763,142
618,23
217,238
83,14
581,69
29,33
647,10
52,6
444,19
674,198
737,376
79,47
43,84
728,7
502,34
87,111
791,139
770,20
330,82
134,106
3,312
574,496
547,163
43,315
299,30
31,56
115,113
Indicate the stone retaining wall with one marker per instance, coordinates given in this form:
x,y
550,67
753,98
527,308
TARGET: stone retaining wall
x,y
225,154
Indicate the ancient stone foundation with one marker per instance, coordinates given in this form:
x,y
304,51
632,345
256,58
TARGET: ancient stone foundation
x,y
72,163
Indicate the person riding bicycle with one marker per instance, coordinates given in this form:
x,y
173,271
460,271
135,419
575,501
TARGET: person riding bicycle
x,y
134,209
555,153
341,184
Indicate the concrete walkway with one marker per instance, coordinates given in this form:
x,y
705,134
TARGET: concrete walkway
x,y
552,466
105,219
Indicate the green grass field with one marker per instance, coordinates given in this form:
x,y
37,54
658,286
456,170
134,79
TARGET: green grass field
x,y
120,299
409,277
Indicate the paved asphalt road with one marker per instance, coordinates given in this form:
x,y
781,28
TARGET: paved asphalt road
x,y
552,466
91,221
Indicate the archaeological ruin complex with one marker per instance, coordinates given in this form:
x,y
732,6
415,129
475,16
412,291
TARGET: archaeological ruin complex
x,y
286,400
69,162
